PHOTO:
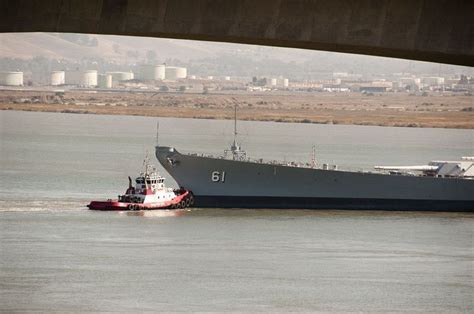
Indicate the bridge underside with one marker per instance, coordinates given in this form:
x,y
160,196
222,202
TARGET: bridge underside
x,y
428,30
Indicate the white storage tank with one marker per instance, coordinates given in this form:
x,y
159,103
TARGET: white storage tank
x,y
11,78
87,78
151,72
175,73
227,78
105,81
273,82
58,78
286,82
121,76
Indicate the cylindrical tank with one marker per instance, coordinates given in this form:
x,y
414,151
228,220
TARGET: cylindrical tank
x,y
121,76
105,81
11,78
174,73
57,78
227,78
151,72
286,82
87,78
273,82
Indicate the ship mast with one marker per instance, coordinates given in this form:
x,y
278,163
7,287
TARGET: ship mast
x,y
235,150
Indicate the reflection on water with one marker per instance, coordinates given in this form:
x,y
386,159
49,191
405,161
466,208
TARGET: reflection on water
x,y
155,213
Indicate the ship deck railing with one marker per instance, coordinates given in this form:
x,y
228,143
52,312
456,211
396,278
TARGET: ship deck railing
x,y
295,164
270,162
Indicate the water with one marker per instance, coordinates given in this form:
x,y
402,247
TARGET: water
x,y
57,256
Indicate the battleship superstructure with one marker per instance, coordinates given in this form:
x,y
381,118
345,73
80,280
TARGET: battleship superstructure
x,y
235,181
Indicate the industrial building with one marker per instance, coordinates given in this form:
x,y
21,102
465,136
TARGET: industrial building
x,y
175,73
87,78
57,78
11,78
105,81
148,72
432,81
121,76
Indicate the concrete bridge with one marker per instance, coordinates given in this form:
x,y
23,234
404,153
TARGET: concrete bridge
x,y
429,30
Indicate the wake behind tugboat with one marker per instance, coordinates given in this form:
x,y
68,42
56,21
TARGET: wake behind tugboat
x,y
149,193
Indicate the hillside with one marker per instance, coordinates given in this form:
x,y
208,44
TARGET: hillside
x,y
209,58
117,48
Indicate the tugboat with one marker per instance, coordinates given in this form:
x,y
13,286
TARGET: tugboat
x,y
149,193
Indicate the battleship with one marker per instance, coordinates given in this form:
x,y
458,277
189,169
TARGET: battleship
x,y
235,181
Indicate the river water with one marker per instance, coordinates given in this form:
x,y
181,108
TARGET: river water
x,y
55,255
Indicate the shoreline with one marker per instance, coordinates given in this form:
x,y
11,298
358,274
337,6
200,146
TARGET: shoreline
x,y
391,110
323,120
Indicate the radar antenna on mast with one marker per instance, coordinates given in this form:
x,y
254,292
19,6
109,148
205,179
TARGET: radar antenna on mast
x,y
313,157
235,150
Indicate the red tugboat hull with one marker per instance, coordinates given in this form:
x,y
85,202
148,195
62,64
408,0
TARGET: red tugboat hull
x,y
180,201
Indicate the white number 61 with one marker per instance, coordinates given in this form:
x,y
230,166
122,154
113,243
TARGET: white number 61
x,y
216,176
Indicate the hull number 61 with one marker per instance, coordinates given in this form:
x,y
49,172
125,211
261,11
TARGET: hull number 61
x,y
217,176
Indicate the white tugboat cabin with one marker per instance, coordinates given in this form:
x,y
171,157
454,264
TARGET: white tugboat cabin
x,y
149,192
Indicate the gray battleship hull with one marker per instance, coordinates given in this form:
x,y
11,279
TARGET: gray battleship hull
x,y
224,183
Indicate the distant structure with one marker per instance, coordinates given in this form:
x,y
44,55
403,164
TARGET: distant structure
x,y
411,83
432,81
149,72
11,78
57,78
105,81
87,78
278,82
121,76
175,73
